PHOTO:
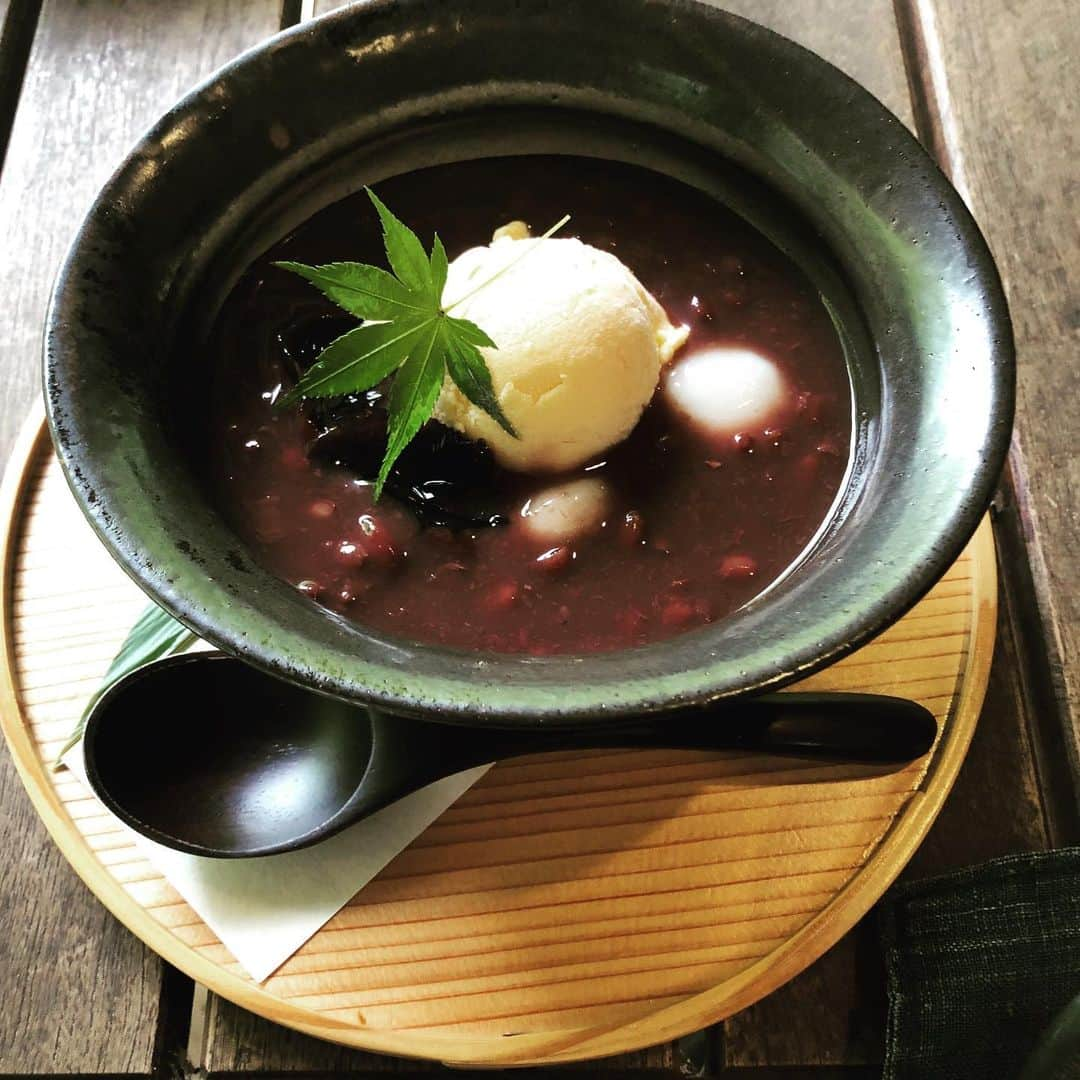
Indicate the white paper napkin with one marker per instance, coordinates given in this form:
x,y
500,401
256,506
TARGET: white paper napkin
x,y
264,909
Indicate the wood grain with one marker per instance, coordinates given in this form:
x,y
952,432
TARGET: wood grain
x,y
552,901
81,995
1001,94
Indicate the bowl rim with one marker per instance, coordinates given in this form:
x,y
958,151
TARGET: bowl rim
x,y
476,695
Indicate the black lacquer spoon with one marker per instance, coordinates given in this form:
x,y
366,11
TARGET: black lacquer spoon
x,y
206,754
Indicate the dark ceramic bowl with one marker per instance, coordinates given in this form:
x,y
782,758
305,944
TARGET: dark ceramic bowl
x,y
385,86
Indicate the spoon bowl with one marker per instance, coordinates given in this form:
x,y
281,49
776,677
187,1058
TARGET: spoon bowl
x,y
208,755
205,750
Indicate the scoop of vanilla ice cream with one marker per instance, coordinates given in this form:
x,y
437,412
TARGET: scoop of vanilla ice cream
x,y
581,344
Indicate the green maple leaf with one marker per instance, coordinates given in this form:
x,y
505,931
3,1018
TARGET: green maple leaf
x,y
407,333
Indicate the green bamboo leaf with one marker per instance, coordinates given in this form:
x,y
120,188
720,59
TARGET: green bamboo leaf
x,y
469,371
359,359
439,266
406,254
155,634
470,332
413,395
368,292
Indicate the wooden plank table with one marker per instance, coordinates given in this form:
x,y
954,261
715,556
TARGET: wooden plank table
x,y
992,87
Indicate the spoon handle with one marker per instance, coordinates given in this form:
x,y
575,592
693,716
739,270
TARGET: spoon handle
x,y
863,728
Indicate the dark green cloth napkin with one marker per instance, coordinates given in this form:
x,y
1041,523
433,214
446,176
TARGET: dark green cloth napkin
x,y
979,964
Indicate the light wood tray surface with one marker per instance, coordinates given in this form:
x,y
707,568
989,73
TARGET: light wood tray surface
x,y
568,906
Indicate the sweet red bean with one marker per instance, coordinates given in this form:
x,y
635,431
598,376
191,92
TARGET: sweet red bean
x,y
703,309
378,541
555,559
268,520
351,553
678,611
293,457
630,620
441,534
735,567
503,596
632,529
808,467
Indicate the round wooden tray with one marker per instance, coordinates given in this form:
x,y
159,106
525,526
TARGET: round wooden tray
x,y
566,907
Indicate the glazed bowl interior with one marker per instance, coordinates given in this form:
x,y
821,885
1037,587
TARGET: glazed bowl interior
x,y
383,88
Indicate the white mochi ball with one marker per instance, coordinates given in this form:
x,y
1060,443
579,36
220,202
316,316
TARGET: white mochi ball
x,y
727,390
564,512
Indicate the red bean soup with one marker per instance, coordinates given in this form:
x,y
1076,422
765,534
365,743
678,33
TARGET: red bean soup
x,y
698,524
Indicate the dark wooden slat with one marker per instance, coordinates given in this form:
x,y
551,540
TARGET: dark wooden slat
x,y
997,787
80,994
240,1042
1052,735
18,18
1000,95
858,36
236,1041
100,73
